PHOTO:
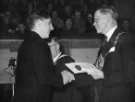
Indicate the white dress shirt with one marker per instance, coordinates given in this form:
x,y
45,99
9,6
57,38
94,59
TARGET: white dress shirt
x,y
110,33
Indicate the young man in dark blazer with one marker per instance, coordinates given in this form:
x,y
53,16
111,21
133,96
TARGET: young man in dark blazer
x,y
35,74
116,58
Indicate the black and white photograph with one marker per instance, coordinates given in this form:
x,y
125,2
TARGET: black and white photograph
x,y
67,51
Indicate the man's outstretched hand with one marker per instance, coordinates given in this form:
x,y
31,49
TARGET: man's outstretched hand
x,y
67,77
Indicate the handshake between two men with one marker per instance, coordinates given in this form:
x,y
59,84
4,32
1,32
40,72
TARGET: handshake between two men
x,y
78,68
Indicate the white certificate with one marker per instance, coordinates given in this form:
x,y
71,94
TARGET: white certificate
x,y
82,67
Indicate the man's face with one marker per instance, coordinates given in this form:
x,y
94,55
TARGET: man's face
x,y
46,27
100,22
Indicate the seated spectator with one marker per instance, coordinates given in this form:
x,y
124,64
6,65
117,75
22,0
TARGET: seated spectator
x,y
50,8
67,12
57,23
68,24
68,30
56,20
79,24
126,25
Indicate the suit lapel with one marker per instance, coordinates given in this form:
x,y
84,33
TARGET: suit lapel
x,y
106,47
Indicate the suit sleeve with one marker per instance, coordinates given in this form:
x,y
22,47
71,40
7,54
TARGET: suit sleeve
x,y
128,58
60,63
44,68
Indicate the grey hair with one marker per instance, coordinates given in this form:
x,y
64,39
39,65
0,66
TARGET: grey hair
x,y
109,10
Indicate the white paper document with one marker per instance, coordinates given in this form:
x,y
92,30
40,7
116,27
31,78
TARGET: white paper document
x,y
82,67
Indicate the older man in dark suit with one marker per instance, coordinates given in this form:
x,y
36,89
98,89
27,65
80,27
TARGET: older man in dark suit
x,y
116,58
35,74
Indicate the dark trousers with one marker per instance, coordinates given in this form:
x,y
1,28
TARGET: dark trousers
x,y
115,94
87,93
74,94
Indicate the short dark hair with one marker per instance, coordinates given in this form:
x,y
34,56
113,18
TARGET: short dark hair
x,y
105,9
36,16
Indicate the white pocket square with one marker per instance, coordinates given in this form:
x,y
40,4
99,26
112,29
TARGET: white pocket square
x,y
112,49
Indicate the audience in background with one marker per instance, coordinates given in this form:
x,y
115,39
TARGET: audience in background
x,y
68,26
65,11
57,22
79,25
126,25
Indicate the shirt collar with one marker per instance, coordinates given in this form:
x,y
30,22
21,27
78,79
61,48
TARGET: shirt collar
x,y
57,57
110,33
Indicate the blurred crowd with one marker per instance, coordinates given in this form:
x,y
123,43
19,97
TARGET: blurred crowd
x,y
68,17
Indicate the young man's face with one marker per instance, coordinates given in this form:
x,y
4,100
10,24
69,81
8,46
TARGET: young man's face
x,y
46,27
100,22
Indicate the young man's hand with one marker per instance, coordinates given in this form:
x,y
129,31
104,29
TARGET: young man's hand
x,y
67,77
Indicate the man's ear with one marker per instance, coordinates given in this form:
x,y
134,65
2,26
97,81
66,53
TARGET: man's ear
x,y
58,46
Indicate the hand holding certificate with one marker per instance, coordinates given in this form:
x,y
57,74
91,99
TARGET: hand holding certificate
x,y
82,67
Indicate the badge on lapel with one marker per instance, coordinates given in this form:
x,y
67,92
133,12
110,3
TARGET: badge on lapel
x,y
112,49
